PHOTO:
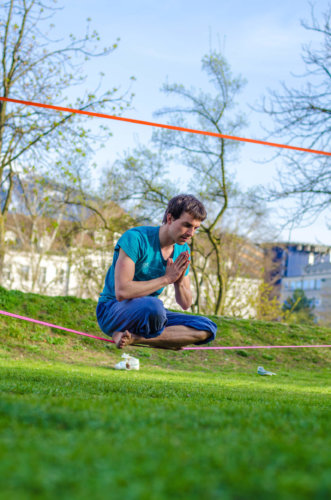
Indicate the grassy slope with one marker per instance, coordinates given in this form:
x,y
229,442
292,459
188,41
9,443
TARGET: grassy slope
x,y
188,425
22,339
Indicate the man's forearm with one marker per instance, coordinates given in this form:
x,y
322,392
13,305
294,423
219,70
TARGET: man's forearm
x,y
136,289
183,295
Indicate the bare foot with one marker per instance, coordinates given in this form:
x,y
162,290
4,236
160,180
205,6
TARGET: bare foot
x,y
123,339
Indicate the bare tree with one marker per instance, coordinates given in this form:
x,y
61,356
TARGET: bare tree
x,y
59,224
303,115
35,220
209,159
36,67
140,182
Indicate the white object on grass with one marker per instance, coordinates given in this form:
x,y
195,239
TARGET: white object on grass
x,y
262,371
128,363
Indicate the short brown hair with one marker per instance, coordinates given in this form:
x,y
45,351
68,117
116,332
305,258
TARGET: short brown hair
x,y
185,203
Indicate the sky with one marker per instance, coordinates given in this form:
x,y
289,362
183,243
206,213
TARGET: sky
x,y
165,41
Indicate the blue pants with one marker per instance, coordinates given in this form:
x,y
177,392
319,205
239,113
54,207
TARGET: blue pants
x,y
147,317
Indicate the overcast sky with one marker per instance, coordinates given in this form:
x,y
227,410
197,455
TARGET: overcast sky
x,y
166,40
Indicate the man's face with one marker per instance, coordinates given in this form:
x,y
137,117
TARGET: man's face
x,y
182,229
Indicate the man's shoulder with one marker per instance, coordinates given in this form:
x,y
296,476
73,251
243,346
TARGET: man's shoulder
x,y
146,229
139,235
145,232
138,241
141,230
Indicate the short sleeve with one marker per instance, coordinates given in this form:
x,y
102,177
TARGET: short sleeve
x,y
131,243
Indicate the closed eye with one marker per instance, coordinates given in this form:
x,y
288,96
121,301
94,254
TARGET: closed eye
x,y
188,225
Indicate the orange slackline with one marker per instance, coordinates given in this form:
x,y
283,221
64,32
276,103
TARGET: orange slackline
x,y
162,125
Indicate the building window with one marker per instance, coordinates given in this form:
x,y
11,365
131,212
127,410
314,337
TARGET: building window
x,y
309,284
296,284
25,271
60,275
317,284
7,272
42,275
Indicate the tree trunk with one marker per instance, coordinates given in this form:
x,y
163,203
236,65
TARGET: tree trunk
x,y
196,306
2,245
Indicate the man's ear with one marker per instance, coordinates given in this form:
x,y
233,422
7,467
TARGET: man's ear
x,y
169,218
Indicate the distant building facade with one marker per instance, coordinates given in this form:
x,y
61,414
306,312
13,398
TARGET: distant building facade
x,y
306,267
315,281
54,274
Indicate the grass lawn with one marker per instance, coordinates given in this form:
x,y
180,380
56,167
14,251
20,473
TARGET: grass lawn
x,y
84,432
186,426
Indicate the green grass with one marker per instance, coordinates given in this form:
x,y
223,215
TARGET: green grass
x,y
186,426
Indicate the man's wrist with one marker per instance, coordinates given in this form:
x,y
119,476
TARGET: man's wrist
x,y
166,281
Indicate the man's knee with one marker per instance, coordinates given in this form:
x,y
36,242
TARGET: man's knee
x,y
205,335
156,313
201,335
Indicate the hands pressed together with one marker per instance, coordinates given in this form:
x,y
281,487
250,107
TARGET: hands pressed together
x,y
175,271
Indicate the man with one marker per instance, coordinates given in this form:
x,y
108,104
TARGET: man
x,y
146,259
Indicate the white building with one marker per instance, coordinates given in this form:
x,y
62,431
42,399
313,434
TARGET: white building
x,y
53,274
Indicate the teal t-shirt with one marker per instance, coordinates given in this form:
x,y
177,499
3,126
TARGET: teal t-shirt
x,y
142,245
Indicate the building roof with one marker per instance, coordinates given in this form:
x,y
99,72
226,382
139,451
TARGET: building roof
x,y
300,246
